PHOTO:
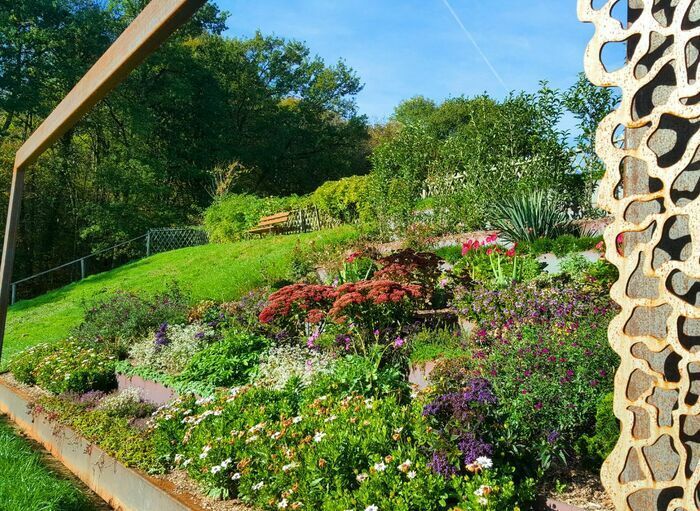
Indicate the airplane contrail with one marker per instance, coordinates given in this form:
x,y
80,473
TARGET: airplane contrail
x,y
476,45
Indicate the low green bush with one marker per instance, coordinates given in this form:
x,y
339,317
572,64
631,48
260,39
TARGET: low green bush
x,y
450,253
116,320
433,344
607,431
575,266
226,363
364,375
231,216
70,366
561,245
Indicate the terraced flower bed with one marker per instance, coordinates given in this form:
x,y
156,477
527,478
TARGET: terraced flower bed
x,y
297,396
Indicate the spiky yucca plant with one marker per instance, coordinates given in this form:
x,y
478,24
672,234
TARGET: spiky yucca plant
x,y
529,216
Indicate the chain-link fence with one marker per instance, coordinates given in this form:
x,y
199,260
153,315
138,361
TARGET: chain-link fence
x,y
172,238
156,241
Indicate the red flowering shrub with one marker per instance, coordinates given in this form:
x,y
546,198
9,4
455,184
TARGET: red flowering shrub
x,y
294,306
415,268
374,310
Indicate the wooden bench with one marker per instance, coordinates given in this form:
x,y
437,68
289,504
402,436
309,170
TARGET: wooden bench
x,y
271,224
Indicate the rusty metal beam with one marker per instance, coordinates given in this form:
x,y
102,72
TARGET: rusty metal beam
x,y
159,19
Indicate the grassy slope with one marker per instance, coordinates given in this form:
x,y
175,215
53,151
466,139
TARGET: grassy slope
x,y
26,484
217,272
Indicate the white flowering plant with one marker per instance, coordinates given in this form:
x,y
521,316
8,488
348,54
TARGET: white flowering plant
x,y
284,363
72,366
275,450
171,347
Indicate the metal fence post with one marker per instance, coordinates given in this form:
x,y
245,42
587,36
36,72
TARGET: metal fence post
x,y
148,243
82,268
13,298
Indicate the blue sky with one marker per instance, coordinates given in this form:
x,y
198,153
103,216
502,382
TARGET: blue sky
x,y
409,47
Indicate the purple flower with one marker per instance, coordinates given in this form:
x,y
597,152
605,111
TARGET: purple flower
x,y
399,342
441,465
553,436
472,448
161,337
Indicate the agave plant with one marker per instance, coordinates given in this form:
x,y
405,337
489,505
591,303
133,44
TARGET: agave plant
x,y
529,216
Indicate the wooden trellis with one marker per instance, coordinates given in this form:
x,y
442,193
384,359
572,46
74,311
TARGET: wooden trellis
x,y
655,465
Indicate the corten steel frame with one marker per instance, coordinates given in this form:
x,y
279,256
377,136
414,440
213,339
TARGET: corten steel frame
x,y
159,19
651,187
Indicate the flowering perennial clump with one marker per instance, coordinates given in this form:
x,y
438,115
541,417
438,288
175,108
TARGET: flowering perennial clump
x,y
74,367
561,305
371,309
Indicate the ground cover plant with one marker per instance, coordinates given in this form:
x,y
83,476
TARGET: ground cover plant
x,y
27,484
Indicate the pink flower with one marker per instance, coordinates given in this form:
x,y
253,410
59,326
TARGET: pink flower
x,y
469,245
353,256
399,342
538,405
492,238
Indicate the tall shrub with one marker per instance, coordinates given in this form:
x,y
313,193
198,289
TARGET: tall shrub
x,y
345,200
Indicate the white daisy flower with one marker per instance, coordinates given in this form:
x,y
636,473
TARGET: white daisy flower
x,y
484,462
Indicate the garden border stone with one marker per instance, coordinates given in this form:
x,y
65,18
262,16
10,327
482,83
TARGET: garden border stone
x,y
122,488
151,391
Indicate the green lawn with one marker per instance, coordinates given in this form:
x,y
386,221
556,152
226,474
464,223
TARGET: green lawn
x,y
217,272
26,484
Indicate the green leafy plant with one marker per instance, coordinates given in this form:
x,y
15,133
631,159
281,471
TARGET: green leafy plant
x,y
115,434
576,266
432,344
365,375
345,200
529,216
607,431
494,266
229,362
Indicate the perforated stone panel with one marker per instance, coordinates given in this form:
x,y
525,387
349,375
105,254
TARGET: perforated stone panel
x,y
651,188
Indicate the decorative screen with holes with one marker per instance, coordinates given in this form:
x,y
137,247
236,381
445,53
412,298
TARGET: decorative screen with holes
x,y
650,146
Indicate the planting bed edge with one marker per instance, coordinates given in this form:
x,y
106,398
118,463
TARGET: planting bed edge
x,y
122,488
